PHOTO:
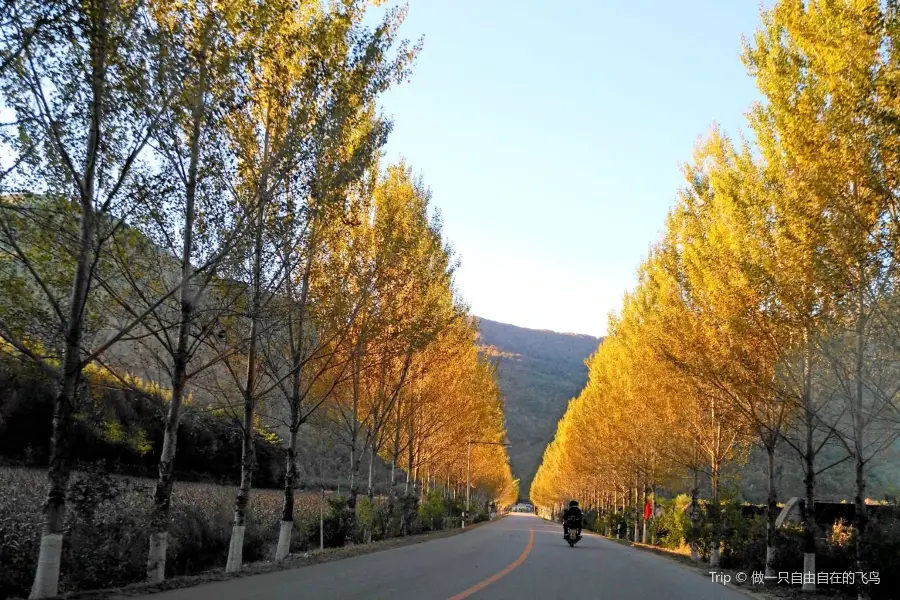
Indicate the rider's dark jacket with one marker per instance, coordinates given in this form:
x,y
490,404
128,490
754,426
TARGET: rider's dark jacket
x,y
574,512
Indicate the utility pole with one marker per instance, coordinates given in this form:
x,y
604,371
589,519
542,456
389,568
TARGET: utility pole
x,y
469,443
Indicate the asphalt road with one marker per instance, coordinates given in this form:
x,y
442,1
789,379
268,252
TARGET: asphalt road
x,y
517,557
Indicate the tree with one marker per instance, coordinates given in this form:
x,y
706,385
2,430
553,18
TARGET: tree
x,y
286,139
825,69
83,86
408,302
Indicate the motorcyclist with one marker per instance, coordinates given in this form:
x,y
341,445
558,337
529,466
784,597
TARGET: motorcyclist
x,y
573,514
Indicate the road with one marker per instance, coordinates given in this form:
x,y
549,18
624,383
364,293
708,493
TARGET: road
x,y
518,557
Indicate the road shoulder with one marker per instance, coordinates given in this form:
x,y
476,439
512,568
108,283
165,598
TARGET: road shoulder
x,y
746,588
294,561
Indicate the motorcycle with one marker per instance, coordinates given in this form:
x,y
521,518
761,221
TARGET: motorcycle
x,y
573,532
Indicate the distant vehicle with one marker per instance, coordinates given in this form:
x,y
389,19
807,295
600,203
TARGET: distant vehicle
x,y
523,507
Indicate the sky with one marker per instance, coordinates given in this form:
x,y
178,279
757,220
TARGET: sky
x,y
552,134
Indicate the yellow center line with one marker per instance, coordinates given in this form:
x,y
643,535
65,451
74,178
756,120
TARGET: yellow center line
x,y
498,576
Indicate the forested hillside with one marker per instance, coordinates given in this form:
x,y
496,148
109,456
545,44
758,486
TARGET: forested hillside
x,y
539,371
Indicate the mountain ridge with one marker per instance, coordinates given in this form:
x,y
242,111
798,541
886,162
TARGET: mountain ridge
x,y
539,371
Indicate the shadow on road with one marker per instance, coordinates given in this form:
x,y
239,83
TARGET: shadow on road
x,y
588,549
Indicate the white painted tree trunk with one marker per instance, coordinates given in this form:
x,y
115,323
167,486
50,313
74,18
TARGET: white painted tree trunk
x,y
695,554
770,562
156,557
771,512
46,579
284,540
370,489
235,549
714,554
809,566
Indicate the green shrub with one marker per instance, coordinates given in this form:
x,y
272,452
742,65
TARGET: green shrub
x,y
437,513
789,549
21,494
589,520
671,529
432,512
881,552
105,538
410,523
393,518
452,522
338,524
200,530
743,539
371,520
607,521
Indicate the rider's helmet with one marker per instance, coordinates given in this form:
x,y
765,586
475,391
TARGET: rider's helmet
x,y
573,503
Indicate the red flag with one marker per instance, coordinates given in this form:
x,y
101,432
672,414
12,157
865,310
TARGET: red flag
x,y
647,510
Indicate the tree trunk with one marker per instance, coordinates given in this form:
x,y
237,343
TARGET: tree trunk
x,y
714,517
46,577
159,522
771,512
610,513
290,475
809,523
162,496
860,514
355,459
242,500
809,527
404,524
370,491
636,536
695,517
248,452
392,490
645,533
351,497
809,517
615,521
296,401
354,434
393,481
860,525
395,456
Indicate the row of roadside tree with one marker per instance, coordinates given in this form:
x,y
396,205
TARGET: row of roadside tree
x,y
194,207
766,316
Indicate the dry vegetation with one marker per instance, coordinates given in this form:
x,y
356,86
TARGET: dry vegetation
x,y
107,539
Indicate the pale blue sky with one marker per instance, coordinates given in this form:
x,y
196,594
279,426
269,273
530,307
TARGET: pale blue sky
x,y
551,134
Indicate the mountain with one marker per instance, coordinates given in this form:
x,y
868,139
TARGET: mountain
x,y
539,371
